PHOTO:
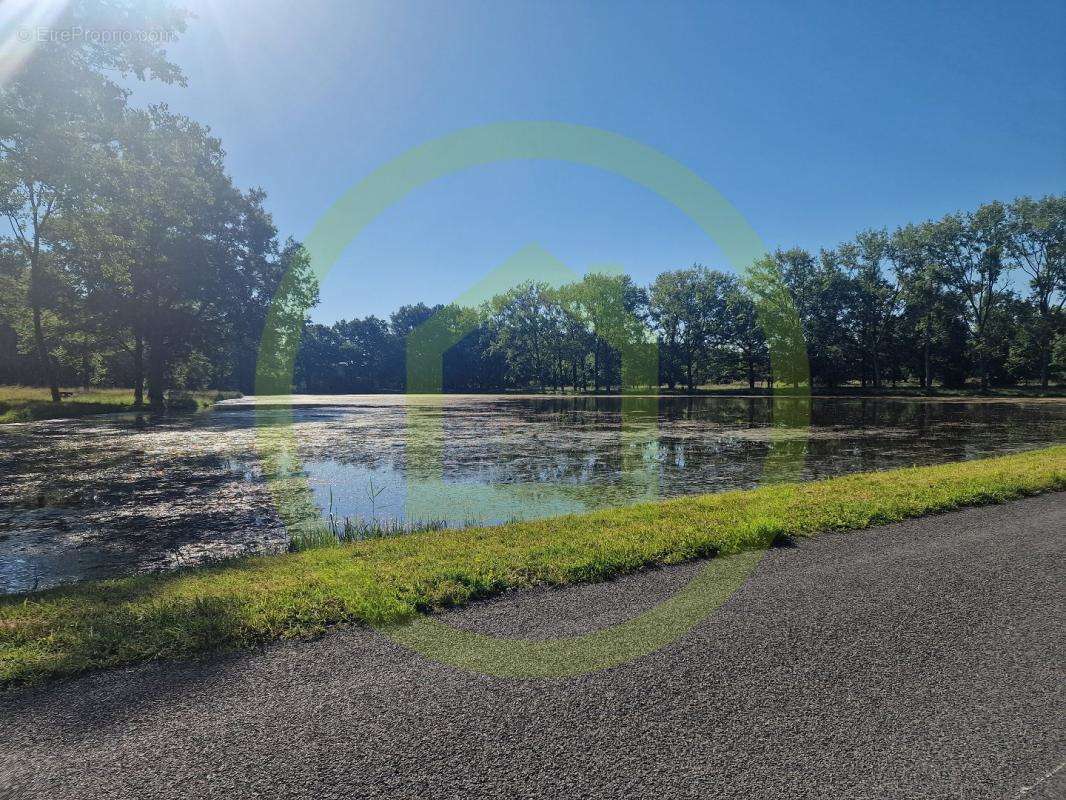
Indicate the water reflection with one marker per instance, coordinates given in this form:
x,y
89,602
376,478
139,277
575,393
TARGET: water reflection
x,y
111,495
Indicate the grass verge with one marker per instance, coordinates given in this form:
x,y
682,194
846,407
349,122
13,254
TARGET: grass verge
x,y
29,404
255,600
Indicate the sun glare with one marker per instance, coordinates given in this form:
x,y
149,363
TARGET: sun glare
x,y
23,25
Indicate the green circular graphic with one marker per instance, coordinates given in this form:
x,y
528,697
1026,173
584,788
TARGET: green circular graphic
x,y
673,182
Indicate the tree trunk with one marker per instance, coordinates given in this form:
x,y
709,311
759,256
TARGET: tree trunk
x,y
1045,343
48,367
155,373
926,359
43,357
85,367
138,371
982,361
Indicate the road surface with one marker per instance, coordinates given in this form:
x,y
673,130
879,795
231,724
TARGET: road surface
x,y
919,660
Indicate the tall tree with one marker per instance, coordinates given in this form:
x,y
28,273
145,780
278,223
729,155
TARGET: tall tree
x,y
56,116
1036,243
820,292
612,309
744,331
969,249
172,202
523,328
668,301
870,262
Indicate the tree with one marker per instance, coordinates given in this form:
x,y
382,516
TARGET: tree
x,y
870,261
1036,243
921,290
744,333
668,298
171,201
612,310
689,308
286,318
819,291
969,251
53,123
56,120
523,332
765,283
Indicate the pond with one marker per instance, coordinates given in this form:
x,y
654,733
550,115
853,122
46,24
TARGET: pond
x,y
118,494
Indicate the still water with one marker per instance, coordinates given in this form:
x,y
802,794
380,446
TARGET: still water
x,y
111,495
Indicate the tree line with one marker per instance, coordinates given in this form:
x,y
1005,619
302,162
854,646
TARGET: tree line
x,y
131,259
973,297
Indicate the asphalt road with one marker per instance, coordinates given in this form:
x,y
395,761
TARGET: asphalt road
x,y
920,660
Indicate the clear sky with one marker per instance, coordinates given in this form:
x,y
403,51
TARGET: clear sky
x,y
815,120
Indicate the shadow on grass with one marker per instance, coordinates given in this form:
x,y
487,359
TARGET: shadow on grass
x,y
106,702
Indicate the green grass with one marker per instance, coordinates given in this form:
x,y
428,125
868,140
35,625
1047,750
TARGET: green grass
x,y
31,403
255,600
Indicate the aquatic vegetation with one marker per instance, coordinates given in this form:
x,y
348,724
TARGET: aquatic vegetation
x,y
103,497
313,532
341,530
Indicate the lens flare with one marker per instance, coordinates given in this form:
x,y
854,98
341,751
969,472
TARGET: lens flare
x,y
24,24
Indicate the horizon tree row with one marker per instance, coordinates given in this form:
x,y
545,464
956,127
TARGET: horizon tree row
x,y
133,260
973,296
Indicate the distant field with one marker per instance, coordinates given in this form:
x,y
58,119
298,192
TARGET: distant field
x,y
29,403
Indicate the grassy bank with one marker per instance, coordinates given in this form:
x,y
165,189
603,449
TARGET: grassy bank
x,y
256,600
30,403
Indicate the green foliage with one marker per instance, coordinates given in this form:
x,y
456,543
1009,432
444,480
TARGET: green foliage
x,y
387,580
690,310
134,260
935,304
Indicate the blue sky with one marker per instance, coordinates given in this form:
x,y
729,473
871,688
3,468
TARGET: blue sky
x,y
815,120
